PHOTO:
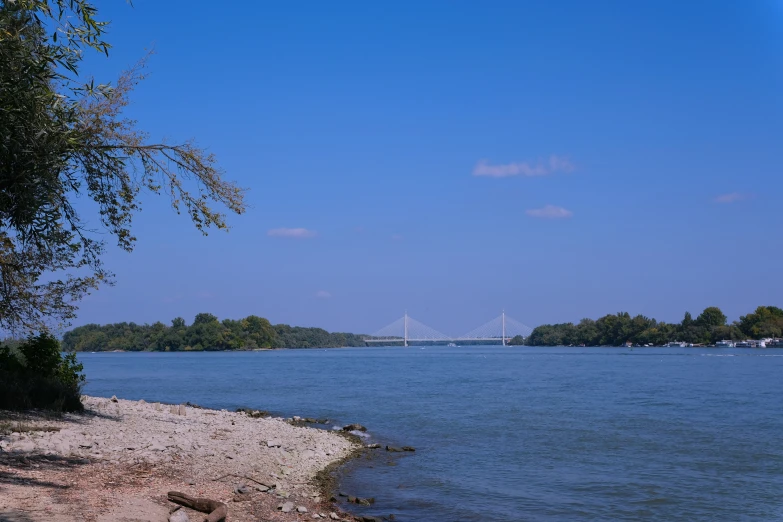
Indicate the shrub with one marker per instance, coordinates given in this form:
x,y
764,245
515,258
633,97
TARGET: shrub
x,y
37,375
42,355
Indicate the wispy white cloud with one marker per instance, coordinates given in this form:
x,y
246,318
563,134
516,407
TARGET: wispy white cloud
x,y
550,212
540,168
730,198
294,233
323,294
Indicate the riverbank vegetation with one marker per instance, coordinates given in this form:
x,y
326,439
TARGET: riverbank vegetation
x,y
615,330
207,333
35,374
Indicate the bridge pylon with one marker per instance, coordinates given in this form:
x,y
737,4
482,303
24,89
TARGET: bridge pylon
x,y
503,336
405,337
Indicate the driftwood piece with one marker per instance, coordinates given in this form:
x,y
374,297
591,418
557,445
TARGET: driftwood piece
x,y
217,510
246,477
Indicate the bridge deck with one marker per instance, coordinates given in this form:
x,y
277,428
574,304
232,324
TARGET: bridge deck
x,y
449,340
408,330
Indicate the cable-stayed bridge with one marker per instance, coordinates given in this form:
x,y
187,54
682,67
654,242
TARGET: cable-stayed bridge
x,y
407,330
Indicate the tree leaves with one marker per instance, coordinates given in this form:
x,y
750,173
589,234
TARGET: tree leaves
x,y
206,333
617,329
61,138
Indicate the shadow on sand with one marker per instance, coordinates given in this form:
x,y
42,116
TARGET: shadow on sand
x,y
41,463
14,516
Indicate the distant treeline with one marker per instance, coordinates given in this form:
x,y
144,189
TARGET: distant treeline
x,y
615,330
206,333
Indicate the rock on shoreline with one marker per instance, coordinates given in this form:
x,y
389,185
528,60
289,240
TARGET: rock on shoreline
x,y
121,449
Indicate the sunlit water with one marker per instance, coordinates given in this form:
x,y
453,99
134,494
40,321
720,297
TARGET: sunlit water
x,y
514,433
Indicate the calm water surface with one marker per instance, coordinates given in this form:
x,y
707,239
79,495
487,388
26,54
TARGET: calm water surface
x,y
514,434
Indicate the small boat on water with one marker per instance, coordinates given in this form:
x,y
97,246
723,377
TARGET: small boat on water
x,y
675,344
751,344
724,344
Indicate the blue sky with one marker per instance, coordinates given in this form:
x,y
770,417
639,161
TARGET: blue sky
x,y
558,159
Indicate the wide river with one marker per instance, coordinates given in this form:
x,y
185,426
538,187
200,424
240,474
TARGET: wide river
x,y
514,433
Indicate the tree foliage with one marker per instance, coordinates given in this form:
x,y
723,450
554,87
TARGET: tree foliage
x,y
766,321
35,374
206,333
517,340
62,136
615,330
711,317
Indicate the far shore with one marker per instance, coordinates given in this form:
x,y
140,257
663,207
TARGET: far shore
x,y
119,459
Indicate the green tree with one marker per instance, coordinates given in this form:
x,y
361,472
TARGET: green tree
x,y
35,375
614,330
711,317
727,332
687,320
260,333
42,355
552,335
206,333
65,137
588,332
178,322
766,321
156,336
204,318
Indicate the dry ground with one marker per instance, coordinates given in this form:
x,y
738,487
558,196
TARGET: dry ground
x,y
80,467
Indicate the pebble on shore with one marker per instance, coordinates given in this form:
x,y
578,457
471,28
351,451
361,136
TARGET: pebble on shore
x,y
204,452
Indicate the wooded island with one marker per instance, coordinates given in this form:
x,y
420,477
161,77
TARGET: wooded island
x,y
206,333
709,327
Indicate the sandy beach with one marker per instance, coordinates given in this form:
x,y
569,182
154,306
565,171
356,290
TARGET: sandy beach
x,y
119,459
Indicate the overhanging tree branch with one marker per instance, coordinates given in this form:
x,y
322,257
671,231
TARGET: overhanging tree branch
x,y
60,139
